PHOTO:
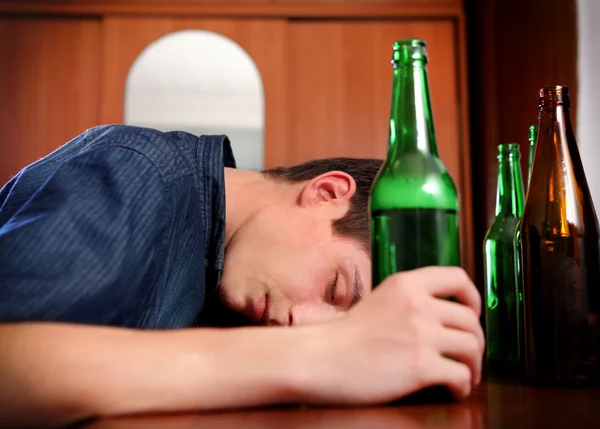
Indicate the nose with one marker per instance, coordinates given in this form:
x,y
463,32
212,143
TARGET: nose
x,y
311,314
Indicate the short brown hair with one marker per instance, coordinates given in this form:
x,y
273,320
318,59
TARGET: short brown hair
x,y
355,224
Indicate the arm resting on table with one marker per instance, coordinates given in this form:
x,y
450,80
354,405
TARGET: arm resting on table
x,y
58,373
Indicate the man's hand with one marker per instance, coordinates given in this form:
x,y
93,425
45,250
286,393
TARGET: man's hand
x,y
402,338
391,344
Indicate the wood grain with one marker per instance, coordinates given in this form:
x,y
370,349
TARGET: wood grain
x,y
49,86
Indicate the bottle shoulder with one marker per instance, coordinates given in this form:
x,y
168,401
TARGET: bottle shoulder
x,y
414,182
504,229
561,218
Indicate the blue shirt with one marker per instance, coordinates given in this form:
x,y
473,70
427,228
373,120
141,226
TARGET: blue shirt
x,y
121,226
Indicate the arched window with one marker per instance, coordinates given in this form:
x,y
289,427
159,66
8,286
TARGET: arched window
x,y
203,83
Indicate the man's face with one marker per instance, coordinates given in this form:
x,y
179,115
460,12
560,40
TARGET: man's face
x,y
285,266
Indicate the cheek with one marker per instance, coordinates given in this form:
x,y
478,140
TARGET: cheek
x,y
305,265
286,256
305,279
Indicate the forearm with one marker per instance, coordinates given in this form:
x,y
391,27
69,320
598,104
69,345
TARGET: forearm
x,y
62,373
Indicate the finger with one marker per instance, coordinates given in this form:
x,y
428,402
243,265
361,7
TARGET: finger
x,y
448,282
457,316
461,346
453,374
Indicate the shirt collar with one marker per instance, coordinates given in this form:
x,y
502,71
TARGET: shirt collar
x,y
214,154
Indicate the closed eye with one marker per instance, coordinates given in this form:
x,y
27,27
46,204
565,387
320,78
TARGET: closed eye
x,y
332,288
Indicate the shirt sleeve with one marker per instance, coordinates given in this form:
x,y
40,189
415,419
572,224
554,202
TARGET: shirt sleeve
x,y
83,248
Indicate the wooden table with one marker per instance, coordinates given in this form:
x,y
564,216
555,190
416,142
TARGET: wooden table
x,y
492,405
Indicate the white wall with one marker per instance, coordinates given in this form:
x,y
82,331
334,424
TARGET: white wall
x,y
587,101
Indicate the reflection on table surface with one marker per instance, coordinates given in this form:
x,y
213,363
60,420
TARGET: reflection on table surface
x,y
370,418
492,405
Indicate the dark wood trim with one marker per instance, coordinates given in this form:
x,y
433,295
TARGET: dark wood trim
x,y
484,119
507,68
245,8
470,248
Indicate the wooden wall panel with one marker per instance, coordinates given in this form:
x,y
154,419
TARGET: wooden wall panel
x,y
341,78
49,86
344,108
124,39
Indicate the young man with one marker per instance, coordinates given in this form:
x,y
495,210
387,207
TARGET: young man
x,y
119,251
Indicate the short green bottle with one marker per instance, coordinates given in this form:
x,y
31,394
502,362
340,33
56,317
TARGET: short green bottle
x,y
502,294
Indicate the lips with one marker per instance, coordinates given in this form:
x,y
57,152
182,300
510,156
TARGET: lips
x,y
259,310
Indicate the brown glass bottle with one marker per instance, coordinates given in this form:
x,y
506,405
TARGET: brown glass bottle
x,y
560,250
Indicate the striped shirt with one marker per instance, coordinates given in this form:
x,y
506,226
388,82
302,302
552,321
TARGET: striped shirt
x,y
121,226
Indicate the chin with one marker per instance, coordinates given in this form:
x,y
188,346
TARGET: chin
x,y
232,300
225,296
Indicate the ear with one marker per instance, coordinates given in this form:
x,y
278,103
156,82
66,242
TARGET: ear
x,y
334,187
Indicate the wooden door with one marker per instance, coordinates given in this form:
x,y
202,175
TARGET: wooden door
x,y
264,40
49,86
340,93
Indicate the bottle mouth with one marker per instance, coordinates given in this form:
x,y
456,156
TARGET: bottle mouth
x,y
410,42
509,150
407,51
533,130
554,95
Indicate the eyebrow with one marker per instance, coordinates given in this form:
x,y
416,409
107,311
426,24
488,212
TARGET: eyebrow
x,y
359,287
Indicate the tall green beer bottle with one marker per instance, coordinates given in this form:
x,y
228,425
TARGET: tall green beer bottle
x,y
503,294
533,132
414,203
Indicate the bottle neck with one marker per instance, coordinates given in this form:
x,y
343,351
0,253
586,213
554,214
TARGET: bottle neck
x,y
533,130
411,121
509,192
558,199
555,160
556,118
